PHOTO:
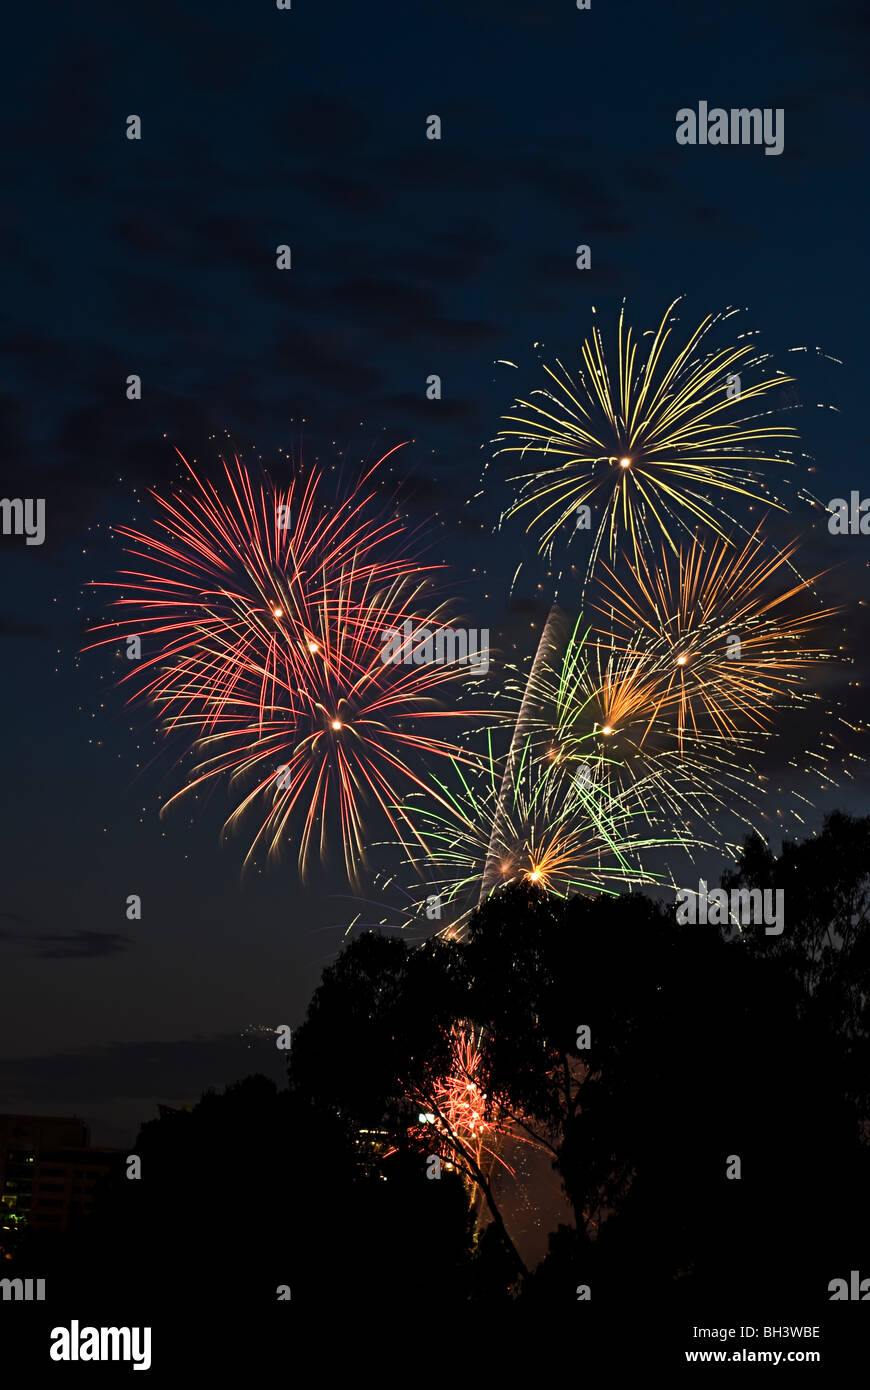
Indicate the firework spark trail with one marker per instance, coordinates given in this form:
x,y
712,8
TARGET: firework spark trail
x,y
649,436
579,697
551,638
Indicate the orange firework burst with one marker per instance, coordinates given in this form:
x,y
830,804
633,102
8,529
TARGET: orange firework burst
x,y
718,636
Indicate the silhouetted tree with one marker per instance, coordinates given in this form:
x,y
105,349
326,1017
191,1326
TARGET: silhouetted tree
x,y
825,943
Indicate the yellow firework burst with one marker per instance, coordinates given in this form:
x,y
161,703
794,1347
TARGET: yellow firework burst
x,y
645,438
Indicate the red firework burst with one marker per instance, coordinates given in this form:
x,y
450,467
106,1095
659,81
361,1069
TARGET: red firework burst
x,y
234,576
458,1112
266,613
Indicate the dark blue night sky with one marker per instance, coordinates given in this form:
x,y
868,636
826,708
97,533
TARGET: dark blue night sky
x,y
410,257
